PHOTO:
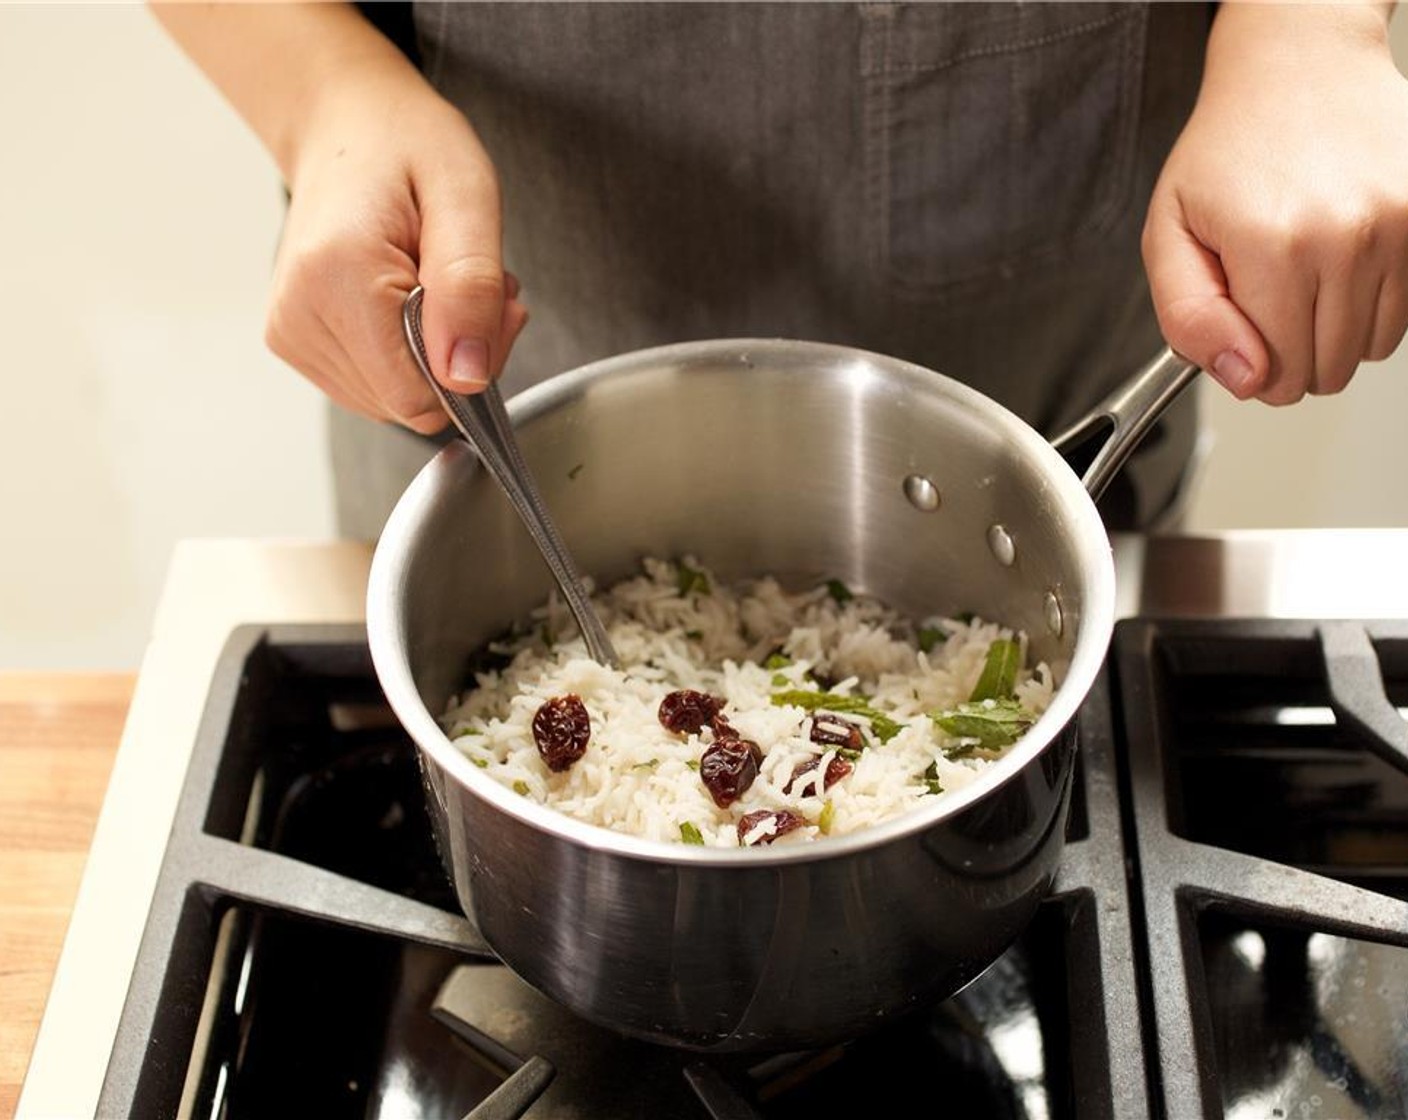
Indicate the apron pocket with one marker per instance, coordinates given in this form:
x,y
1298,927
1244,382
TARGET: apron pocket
x,y
997,137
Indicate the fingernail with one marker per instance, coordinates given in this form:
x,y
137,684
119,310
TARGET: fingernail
x,y
1233,372
469,364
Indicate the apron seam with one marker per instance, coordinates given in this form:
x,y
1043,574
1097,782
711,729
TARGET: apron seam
x,y
437,65
876,23
1011,48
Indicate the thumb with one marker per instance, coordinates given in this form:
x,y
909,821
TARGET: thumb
x,y
461,270
1195,312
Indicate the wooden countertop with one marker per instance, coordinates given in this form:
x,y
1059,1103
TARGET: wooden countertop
x,y
58,735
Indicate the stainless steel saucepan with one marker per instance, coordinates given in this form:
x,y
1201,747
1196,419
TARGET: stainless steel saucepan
x,y
808,462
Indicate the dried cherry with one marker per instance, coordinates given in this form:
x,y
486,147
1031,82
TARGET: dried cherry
x,y
728,767
836,769
686,712
833,731
785,821
562,728
721,727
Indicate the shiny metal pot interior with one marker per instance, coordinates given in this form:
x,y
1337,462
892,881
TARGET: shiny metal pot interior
x,y
808,462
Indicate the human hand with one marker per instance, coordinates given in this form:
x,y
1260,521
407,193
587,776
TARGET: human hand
x,y
1276,241
391,188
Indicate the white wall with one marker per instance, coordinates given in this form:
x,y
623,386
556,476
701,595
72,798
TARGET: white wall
x,y
1331,462
139,222
140,218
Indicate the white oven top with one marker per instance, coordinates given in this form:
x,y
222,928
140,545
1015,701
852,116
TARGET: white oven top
x,y
212,586
215,585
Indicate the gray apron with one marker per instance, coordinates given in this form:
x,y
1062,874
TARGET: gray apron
x,y
962,186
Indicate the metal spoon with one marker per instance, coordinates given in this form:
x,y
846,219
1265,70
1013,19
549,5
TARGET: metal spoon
x,y
483,421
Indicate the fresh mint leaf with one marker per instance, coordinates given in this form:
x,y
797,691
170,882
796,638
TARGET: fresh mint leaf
x,y
882,725
839,591
929,637
987,725
689,580
999,675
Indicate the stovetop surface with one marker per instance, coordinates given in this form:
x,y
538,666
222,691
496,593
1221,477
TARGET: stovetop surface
x,y
1219,959
1228,936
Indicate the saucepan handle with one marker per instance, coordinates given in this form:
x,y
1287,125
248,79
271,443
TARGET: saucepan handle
x,y
1098,444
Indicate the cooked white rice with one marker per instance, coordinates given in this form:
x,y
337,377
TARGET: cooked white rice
x,y
637,777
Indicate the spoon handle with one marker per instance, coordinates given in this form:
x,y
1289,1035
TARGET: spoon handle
x,y
483,421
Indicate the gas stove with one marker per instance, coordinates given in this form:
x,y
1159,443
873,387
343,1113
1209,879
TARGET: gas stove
x,y
265,929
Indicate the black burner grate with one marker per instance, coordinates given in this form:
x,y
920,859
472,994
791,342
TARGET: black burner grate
x,y
1268,783
304,956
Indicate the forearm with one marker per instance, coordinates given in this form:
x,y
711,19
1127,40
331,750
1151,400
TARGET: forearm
x,y
279,64
1292,32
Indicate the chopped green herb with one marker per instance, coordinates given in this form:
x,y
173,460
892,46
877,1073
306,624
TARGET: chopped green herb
x,y
931,778
690,834
838,591
999,675
482,763
780,680
777,661
930,636
693,763
848,753
647,766
827,817
884,727
987,725
691,579
575,471
521,787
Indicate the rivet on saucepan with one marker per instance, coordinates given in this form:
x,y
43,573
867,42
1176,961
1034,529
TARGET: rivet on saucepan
x,y
1003,548
1055,617
922,493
